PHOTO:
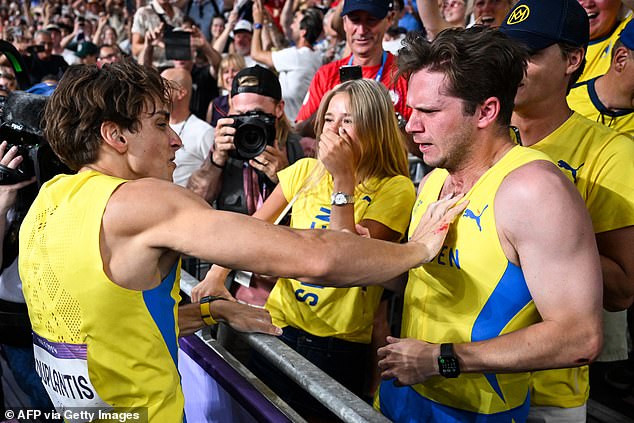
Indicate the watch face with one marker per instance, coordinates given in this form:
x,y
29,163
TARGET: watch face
x,y
448,366
340,198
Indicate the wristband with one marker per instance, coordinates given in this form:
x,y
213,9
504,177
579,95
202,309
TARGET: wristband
x,y
257,26
205,309
211,159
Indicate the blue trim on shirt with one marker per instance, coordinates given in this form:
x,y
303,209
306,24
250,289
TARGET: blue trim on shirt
x,y
160,304
404,404
508,298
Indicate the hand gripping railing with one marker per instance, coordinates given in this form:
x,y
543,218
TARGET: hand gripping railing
x,y
339,400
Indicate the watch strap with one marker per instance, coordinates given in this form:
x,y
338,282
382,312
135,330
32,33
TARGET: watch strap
x,y
446,349
349,199
205,309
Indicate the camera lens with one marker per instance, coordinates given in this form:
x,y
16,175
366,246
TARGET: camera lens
x,y
250,140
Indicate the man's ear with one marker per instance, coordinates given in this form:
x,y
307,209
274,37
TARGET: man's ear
x,y
113,136
575,58
488,111
621,56
279,109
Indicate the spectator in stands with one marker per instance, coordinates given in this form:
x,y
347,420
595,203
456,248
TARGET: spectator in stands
x,y
217,27
123,225
203,12
87,53
487,309
195,134
204,87
365,23
362,174
229,67
456,13
242,35
109,54
609,98
333,45
295,65
607,20
148,19
595,158
42,61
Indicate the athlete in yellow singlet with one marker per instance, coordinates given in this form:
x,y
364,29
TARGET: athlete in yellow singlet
x,y
517,284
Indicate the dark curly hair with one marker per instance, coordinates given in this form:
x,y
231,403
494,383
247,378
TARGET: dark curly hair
x,y
88,96
478,63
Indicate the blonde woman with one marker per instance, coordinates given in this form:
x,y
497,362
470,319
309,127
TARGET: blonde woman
x,y
360,178
228,68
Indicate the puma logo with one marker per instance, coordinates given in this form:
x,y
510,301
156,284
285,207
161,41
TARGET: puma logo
x,y
562,164
471,215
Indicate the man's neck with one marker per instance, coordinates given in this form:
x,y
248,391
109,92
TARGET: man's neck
x,y
373,59
607,88
303,43
537,123
482,158
179,114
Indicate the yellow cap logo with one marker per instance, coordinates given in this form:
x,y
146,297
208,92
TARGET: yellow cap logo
x,y
519,14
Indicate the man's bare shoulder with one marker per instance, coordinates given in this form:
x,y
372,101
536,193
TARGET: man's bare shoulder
x,y
537,197
140,203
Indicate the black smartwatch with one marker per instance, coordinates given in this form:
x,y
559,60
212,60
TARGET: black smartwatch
x,y
448,362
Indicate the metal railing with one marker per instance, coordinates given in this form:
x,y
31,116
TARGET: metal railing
x,y
334,396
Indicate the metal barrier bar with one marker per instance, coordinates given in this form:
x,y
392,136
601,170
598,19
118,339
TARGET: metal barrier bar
x,y
343,403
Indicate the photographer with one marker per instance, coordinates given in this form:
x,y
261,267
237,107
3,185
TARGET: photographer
x,y
238,184
221,178
15,329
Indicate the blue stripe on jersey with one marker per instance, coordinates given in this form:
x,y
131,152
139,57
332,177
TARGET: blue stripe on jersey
x,y
405,405
160,304
508,298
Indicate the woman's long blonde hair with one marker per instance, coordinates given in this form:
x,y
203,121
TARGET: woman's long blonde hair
x,y
381,143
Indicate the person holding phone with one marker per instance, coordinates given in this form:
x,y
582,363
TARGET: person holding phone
x,y
42,61
365,23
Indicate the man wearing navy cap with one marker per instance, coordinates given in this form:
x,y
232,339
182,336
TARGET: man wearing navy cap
x,y
609,98
365,22
595,158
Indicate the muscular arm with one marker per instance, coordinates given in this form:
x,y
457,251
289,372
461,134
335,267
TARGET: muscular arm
x,y
137,226
617,265
548,232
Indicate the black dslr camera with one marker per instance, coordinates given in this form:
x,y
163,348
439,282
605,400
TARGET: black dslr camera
x,y
20,127
254,131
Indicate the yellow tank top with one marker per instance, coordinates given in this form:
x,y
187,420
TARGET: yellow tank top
x,y
345,313
470,292
96,344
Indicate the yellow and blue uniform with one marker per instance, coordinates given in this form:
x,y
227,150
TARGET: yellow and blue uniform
x,y
599,54
584,100
96,343
598,160
345,313
469,292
